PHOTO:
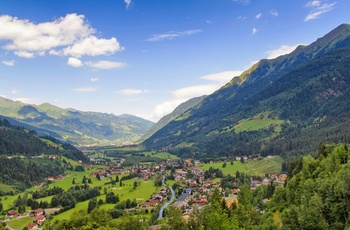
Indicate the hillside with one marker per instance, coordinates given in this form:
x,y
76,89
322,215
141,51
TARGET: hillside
x,y
18,147
82,128
179,110
286,100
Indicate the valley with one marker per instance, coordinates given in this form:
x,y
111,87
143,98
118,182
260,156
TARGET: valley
x,y
267,150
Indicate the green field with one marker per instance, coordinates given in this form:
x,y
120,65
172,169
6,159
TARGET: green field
x,y
6,188
251,167
19,224
163,155
141,194
257,122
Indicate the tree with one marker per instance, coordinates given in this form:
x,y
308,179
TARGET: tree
x,y
111,198
84,180
92,204
117,178
224,165
73,181
121,183
98,177
1,207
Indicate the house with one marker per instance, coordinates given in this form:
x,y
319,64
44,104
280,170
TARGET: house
x,y
50,178
40,219
152,202
12,214
37,212
32,226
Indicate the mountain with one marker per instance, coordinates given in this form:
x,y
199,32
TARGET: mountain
x,y
244,117
81,128
179,110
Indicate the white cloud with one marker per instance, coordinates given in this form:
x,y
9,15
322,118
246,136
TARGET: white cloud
x,y
171,35
258,16
68,35
9,63
131,91
15,91
106,65
195,91
75,62
84,90
241,18
127,3
254,31
93,46
93,79
222,77
208,22
274,12
284,49
313,3
317,9
27,100
24,54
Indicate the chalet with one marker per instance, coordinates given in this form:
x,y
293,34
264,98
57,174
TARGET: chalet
x,y
32,226
198,171
37,212
50,178
152,202
203,200
40,219
12,214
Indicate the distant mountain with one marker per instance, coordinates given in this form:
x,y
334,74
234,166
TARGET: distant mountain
x,y
81,128
276,101
179,110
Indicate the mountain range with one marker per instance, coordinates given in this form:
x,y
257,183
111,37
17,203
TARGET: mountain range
x,y
286,105
74,126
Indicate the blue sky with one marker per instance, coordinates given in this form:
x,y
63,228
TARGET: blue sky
x,y
144,57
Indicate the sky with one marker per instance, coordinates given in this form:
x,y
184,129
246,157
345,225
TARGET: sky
x,y
145,57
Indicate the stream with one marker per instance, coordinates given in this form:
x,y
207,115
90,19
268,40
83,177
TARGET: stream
x,y
172,198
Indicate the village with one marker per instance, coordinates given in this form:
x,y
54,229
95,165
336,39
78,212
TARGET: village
x,y
192,184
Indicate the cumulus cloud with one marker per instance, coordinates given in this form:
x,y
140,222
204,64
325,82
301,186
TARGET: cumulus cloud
x,y
131,91
317,9
106,65
171,35
254,31
284,49
84,90
69,35
274,12
93,46
75,62
9,63
24,54
258,16
93,79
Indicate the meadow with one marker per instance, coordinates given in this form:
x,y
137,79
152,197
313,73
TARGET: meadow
x,y
260,167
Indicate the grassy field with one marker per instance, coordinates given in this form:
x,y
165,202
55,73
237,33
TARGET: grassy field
x,y
6,188
19,224
251,167
163,155
259,121
140,194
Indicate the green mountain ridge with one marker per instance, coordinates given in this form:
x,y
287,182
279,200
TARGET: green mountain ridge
x,y
210,129
77,127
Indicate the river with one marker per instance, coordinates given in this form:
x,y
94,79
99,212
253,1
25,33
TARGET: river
x,y
172,198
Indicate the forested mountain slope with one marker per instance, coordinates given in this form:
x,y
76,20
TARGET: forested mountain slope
x,y
286,100
17,147
81,128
